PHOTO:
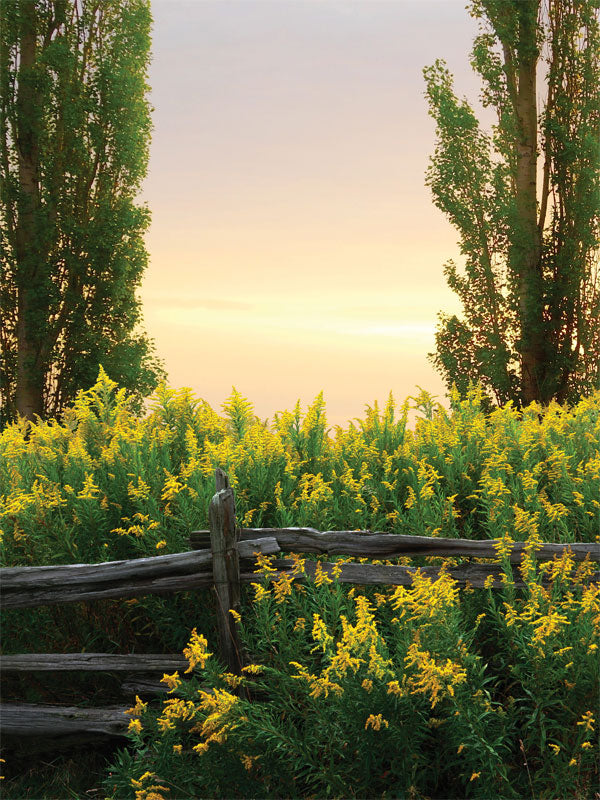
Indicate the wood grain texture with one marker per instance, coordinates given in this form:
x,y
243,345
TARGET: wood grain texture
x,y
143,686
96,662
14,578
24,719
369,544
226,574
74,583
373,574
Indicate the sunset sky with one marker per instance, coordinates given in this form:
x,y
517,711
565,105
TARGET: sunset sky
x,y
294,246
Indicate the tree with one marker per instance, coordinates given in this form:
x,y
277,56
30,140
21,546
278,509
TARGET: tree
x,y
74,138
525,198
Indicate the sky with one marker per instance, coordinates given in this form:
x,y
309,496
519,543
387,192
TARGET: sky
x,y
294,246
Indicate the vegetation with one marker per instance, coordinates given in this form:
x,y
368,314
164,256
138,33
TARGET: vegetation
x,y
425,691
419,692
74,136
404,693
525,199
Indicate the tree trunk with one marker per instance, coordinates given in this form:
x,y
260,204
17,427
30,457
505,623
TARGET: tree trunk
x,y
527,244
30,378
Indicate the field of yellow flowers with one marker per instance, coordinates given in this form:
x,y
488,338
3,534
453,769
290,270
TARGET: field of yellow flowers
x,y
420,691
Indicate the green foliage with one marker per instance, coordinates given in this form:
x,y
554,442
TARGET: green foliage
x,y
528,281
103,483
74,137
412,693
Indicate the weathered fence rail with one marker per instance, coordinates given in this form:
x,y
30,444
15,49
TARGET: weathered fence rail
x,y
91,662
23,587
369,544
222,558
24,719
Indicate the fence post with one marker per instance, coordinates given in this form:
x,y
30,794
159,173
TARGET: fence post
x,y
224,535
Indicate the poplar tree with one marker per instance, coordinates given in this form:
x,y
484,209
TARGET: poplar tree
x,y
525,198
74,138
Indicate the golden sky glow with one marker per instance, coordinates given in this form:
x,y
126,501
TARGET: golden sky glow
x,y
294,247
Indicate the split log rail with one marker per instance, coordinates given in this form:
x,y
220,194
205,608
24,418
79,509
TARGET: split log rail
x,y
223,558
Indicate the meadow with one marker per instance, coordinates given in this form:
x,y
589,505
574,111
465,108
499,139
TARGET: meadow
x,y
427,691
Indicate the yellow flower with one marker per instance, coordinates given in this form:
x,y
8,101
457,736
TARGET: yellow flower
x,y
320,634
160,545
89,489
503,547
236,616
154,793
547,625
172,486
428,598
586,745
247,519
177,748
253,669
474,776
135,726
437,680
300,624
342,662
319,686
321,576
555,748
298,564
232,680
573,762
196,652
137,709
260,592
172,681
375,721
367,685
248,761
282,588
587,720
138,783
562,651
139,492
461,747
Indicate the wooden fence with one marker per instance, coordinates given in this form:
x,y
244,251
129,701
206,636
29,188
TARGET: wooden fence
x,y
223,557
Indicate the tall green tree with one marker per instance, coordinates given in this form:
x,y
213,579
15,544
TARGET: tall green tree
x,y
525,197
74,138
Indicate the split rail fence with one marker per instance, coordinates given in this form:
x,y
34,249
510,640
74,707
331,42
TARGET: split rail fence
x,y
223,558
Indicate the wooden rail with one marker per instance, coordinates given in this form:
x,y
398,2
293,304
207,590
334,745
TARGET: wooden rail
x,y
369,544
24,587
222,558
25,719
91,662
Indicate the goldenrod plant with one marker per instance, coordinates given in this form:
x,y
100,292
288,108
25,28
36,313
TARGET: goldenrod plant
x,y
418,691
412,692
